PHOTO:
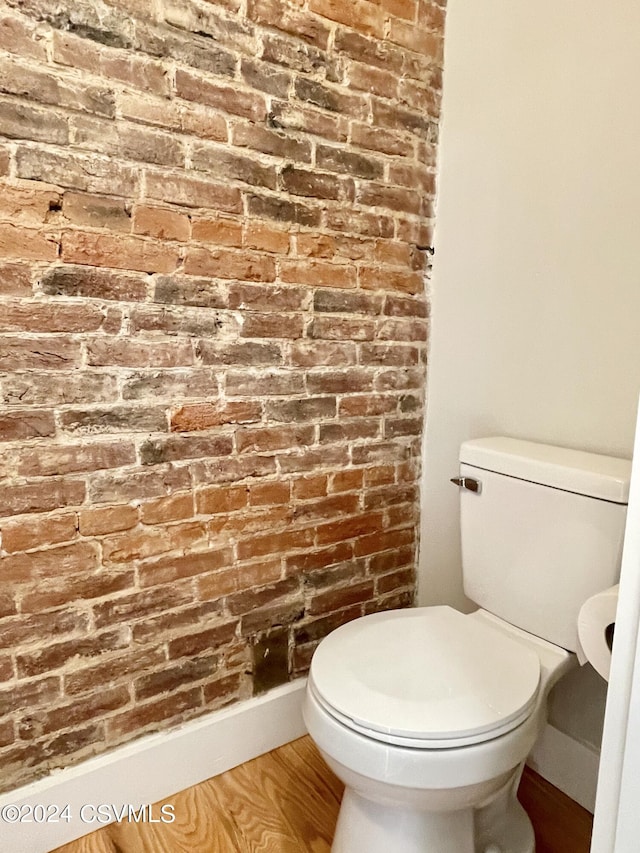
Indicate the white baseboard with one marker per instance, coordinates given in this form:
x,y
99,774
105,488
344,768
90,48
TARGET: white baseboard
x,y
153,767
568,764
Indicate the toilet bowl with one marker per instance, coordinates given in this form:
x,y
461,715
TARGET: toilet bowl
x,y
430,740
427,715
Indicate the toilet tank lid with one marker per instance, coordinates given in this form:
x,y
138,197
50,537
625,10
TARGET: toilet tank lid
x,y
589,474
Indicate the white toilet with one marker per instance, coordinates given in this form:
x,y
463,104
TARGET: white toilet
x,y
427,715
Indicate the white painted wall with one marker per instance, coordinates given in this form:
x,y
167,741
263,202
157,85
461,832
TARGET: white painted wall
x,y
536,288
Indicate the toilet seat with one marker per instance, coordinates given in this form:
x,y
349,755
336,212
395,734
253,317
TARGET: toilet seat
x,y
425,678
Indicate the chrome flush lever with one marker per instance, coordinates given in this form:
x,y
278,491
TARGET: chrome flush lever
x,y
468,483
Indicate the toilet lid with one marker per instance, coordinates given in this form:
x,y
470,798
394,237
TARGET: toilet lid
x,y
430,675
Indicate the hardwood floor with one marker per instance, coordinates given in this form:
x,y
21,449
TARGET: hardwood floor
x,y
287,802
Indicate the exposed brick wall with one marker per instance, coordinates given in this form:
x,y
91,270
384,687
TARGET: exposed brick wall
x,y
213,332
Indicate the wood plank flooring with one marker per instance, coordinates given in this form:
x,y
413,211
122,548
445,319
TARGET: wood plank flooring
x,y
287,802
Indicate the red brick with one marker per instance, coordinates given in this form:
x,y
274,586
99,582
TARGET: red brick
x,y
384,279
217,160
310,487
81,53
342,328
25,121
379,475
45,87
278,14
268,439
335,531
78,588
36,317
330,507
383,541
193,192
15,500
263,383
128,253
50,460
151,714
322,353
16,426
109,519
199,416
404,306
155,451
142,543
272,326
62,560
349,431
57,655
186,118
395,580
265,238
340,381
20,36
29,694
225,528
256,297
170,678
15,280
315,629
172,508
111,670
161,223
203,640
140,604
368,79
38,531
129,353
417,39
96,211
26,244
377,138
359,14
7,604
360,222
88,708
281,209
94,283
246,266
230,99
313,184
337,599
267,494
222,232
390,495
221,499
214,585
274,543
309,459
318,274
346,481
222,691
168,569
6,668
7,734
390,355
407,9
394,427
67,168
267,141
27,202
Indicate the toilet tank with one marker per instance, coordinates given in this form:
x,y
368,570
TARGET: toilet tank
x,y
542,533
